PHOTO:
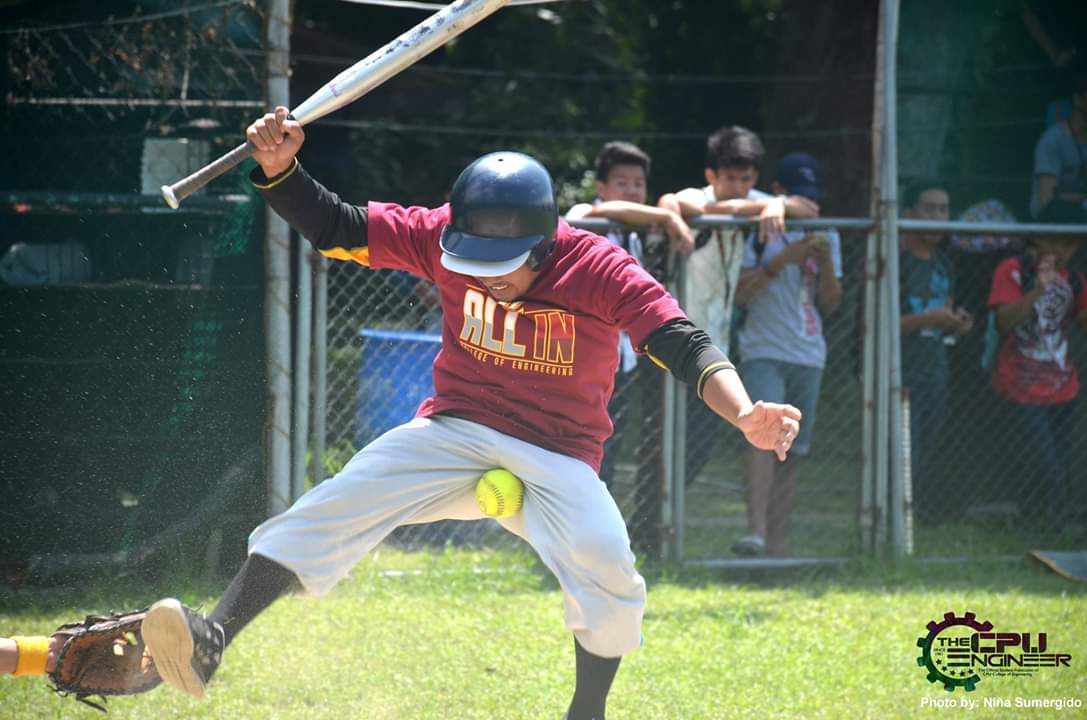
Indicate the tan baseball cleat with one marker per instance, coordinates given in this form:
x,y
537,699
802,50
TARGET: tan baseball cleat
x,y
185,645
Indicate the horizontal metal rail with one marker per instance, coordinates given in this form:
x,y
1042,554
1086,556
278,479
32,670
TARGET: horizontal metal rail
x,y
70,203
858,223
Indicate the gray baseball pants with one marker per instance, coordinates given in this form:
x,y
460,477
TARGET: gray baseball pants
x,y
426,470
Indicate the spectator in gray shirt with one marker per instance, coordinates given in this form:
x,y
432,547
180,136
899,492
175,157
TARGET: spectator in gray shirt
x,y
787,286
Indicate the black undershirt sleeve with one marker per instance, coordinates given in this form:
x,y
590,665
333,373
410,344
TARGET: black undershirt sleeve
x,y
687,352
313,210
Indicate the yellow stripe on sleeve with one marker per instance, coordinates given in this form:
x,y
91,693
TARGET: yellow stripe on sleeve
x,y
361,255
710,370
656,361
281,178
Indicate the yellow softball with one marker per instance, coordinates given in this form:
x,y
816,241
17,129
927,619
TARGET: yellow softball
x,y
499,493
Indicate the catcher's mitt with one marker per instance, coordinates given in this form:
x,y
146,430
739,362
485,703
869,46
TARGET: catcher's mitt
x,y
103,655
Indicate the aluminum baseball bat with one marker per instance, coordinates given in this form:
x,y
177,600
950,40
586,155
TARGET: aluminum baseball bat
x,y
354,82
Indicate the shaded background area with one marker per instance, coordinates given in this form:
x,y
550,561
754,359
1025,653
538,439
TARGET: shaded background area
x,y
559,80
131,363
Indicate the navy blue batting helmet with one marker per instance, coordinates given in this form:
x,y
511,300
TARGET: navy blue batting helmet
x,y
503,214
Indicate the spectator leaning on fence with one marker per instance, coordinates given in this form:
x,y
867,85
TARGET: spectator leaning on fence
x,y
1060,157
1034,296
622,175
928,317
788,284
733,155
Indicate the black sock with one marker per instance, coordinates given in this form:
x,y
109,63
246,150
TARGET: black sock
x,y
594,676
256,586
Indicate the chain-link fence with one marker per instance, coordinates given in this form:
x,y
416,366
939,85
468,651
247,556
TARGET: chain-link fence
x,y
993,421
383,334
101,111
120,104
991,405
985,473
384,330
791,343
130,383
988,475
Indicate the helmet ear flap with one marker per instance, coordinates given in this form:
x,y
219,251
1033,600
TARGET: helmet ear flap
x,y
540,253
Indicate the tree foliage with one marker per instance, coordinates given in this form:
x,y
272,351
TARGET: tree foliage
x,y
555,80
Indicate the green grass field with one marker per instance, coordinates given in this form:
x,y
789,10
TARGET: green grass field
x,y
460,634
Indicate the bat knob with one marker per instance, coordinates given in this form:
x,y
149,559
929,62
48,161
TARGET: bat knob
x,y
169,196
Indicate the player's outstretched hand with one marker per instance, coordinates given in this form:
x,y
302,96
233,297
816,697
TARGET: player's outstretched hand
x,y
277,140
770,426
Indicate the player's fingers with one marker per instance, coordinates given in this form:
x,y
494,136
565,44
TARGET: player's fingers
x,y
293,128
256,134
267,130
252,136
268,136
785,442
786,412
275,127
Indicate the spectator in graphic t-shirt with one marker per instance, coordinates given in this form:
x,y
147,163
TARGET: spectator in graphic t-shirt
x,y
1035,296
928,316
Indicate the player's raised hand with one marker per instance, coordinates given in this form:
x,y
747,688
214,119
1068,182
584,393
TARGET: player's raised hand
x,y
277,140
770,426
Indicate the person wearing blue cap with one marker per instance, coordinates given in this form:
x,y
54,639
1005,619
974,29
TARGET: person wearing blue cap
x,y
787,285
1060,157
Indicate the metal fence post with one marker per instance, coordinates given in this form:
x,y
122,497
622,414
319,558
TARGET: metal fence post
x,y
668,450
668,518
679,420
870,511
303,323
320,367
277,280
889,221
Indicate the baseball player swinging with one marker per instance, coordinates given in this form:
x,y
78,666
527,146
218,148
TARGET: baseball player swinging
x,y
532,312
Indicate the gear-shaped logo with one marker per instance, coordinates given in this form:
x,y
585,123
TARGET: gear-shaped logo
x,y
944,651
